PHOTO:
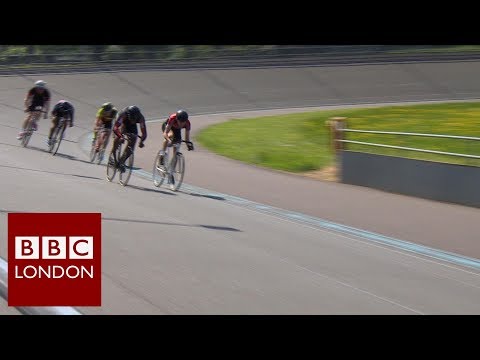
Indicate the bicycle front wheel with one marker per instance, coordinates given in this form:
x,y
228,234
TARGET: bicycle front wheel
x,y
93,153
178,170
158,172
26,137
111,166
125,175
57,139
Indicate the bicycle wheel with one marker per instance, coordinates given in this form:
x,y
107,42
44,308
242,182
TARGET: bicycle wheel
x,y
26,137
100,155
93,153
53,139
28,133
58,139
177,172
128,165
111,168
159,171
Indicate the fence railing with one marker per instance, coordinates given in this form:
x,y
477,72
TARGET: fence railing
x,y
410,148
338,128
31,310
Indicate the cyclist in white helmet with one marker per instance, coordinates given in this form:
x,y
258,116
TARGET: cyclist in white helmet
x,y
39,95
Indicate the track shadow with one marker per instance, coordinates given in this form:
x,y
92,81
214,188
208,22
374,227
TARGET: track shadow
x,y
69,157
212,227
206,195
51,172
141,188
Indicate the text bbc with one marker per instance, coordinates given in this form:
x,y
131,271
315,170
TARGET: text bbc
x,y
54,247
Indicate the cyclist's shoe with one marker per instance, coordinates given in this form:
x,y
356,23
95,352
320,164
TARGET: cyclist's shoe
x,y
49,142
20,135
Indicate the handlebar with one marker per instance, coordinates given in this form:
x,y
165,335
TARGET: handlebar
x,y
185,141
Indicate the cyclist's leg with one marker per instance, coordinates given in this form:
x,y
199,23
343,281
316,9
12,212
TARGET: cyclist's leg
x,y
164,143
177,138
171,136
103,138
116,143
132,140
25,124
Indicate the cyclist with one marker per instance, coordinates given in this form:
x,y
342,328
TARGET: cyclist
x,y
125,128
103,124
39,95
172,132
61,109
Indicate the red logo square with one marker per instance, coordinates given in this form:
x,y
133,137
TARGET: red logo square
x,y
54,259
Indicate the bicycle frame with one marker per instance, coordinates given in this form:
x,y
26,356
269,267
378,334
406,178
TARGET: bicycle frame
x,y
169,167
34,116
100,154
57,135
112,167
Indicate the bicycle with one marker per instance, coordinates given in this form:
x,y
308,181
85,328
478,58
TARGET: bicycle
x,y
57,135
101,152
112,167
32,125
174,171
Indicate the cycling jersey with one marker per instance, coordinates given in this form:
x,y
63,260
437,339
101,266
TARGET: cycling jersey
x,y
107,120
63,109
129,126
175,124
101,114
38,99
176,127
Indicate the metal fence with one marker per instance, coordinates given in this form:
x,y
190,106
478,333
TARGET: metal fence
x,y
435,180
409,148
123,57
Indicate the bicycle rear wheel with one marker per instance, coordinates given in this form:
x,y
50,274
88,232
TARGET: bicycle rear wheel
x,y
177,172
159,171
128,165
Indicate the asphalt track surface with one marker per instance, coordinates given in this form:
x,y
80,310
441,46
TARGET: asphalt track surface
x,y
223,245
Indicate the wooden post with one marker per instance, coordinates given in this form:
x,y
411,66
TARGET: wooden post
x,y
336,124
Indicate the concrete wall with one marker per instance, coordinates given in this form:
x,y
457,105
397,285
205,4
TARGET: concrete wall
x,y
430,180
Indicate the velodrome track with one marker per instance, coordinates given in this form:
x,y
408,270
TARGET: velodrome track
x,y
206,251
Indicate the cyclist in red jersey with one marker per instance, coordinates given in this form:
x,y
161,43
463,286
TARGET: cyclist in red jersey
x,y
172,132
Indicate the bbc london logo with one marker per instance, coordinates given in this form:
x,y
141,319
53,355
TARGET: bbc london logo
x,y
54,259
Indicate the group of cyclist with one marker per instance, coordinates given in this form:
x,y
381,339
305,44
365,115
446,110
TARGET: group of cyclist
x,y
108,119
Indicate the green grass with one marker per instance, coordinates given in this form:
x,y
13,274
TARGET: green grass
x,y
299,142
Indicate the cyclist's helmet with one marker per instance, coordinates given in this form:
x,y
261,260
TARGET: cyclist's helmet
x,y
133,112
107,106
63,105
182,115
40,84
